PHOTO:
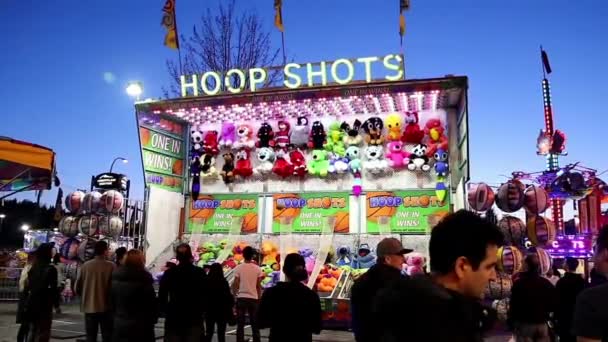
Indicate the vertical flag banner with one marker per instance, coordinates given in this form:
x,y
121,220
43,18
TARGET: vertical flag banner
x,y
545,59
404,5
168,21
278,15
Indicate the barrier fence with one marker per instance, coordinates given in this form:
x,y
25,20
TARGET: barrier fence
x,y
9,283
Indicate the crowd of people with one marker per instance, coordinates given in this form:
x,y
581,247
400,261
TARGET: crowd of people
x,y
119,298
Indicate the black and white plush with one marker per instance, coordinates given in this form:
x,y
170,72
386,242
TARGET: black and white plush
x,y
266,158
375,163
418,159
196,139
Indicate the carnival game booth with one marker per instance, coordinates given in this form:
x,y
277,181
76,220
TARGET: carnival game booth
x,y
322,170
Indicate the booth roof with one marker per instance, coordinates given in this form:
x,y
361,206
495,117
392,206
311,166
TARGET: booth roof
x,y
25,164
335,100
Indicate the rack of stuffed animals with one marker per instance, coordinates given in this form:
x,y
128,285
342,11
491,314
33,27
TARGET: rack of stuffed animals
x,y
305,148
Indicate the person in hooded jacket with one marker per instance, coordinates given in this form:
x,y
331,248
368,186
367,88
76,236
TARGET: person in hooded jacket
x,y
134,300
384,273
219,304
41,295
290,309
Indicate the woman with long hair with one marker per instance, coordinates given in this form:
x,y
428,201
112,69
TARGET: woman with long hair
x,y
290,309
134,300
219,305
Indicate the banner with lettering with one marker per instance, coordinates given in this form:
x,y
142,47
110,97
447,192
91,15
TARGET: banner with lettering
x,y
307,211
163,147
404,212
214,213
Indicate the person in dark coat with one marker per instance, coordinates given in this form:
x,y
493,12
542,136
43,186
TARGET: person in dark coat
x,y
386,271
134,300
182,298
21,319
41,295
445,306
568,288
219,304
290,309
533,299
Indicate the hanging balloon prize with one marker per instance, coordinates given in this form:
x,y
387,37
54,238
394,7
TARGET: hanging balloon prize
x,y
536,200
480,197
68,226
513,230
113,201
541,230
88,225
91,202
110,226
509,259
73,201
510,196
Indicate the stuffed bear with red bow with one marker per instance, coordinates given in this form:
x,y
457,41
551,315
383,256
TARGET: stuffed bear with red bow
x,y
282,166
298,161
211,143
243,166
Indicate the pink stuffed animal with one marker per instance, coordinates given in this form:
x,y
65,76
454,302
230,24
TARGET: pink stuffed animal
x,y
415,263
397,157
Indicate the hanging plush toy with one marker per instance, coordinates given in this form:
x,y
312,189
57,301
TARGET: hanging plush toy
x,y
243,164
244,139
375,163
412,134
441,163
338,164
344,256
373,131
282,166
298,161
266,161
265,136
195,174
335,138
317,136
300,133
436,136
208,170
397,157
364,258
228,134
211,144
352,136
196,139
319,165
228,168
418,159
393,125
415,263
282,139
353,153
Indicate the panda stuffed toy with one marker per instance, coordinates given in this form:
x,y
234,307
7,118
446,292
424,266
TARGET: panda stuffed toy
x,y
196,139
418,159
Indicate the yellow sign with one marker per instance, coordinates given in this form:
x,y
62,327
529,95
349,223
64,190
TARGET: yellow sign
x,y
341,71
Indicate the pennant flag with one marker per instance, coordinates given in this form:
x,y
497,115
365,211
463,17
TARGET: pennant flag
x,y
58,206
278,15
545,59
171,39
404,5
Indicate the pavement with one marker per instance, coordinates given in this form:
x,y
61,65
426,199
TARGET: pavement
x,y
69,326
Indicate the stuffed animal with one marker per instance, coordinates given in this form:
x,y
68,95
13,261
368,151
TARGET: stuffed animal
x,y
196,139
265,136
375,164
282,140
412,134
243,164
300,133
228,134
211,143
415,263
352,136
244,135
344,256
319,164
282,166
373,131
393,125
309,259
419,159
436,136
298,161
397,157
208,169
364,258
67,294
266,161
270,253
317,136
237,252
335,138
195,174
338,164
228,168
441,163
353,153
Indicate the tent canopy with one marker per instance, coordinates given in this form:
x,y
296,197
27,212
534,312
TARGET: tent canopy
x,y
25,166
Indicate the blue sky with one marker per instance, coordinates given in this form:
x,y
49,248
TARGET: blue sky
x,y
55,53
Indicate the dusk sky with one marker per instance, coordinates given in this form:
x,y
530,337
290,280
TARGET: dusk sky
x,y
55,53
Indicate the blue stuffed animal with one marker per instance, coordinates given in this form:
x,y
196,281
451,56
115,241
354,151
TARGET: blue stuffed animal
x,y
364,258
344,256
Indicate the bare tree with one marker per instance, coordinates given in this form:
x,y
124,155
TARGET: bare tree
x,y
222,41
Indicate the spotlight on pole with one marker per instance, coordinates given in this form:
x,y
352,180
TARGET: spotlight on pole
x,y
135,89
25,227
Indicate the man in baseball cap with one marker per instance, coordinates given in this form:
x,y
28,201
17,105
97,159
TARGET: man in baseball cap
x,y
386,271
